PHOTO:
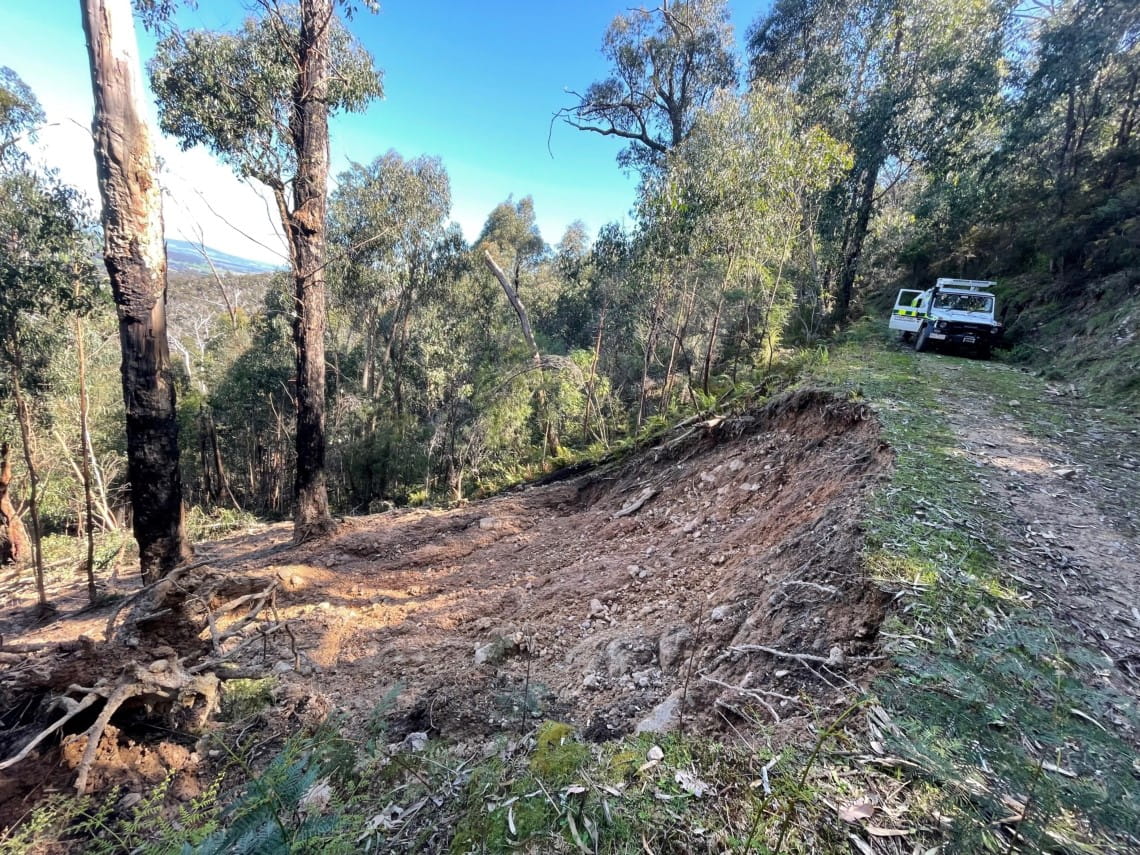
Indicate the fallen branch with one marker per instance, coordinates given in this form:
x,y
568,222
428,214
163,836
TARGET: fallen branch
x,y
635,505
220,660
835,655
81,643
759,695
74,709
827,589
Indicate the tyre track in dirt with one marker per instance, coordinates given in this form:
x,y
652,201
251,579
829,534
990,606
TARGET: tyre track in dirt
x,y
1073,501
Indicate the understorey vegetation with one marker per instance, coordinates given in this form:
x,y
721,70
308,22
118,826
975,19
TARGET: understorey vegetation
x,y
397,366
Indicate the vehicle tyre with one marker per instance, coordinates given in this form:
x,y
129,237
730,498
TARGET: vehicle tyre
x,y
983,351
923,341
907,337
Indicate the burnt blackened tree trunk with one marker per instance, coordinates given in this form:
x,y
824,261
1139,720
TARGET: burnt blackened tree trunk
x,y
306,233
135,255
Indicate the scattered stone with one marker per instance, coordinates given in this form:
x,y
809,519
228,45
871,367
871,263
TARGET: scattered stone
x,y
662,718
655,754
624,655
708,477
592,681
497,650
324,606
490,523
735,465
643,679
596,608
1066,472
673,645
720,613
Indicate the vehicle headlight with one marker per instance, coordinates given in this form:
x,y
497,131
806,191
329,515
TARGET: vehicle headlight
x,y
940,325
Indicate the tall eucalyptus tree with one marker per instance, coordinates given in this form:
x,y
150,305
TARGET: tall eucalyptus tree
x,y
135,254
898,80
666,64
260,99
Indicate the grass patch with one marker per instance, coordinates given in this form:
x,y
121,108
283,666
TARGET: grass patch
x,y
1000,713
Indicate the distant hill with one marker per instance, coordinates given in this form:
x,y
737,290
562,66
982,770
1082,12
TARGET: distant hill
x,y
185,257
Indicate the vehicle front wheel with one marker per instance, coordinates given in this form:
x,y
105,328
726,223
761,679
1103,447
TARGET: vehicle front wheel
x,y
923,340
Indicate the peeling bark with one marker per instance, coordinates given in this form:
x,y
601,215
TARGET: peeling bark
x,y
135,256
13,538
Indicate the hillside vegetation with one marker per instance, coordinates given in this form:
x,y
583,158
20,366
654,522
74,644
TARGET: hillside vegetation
x,y
653,540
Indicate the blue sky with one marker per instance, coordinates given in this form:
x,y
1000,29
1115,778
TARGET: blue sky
x,y
475,83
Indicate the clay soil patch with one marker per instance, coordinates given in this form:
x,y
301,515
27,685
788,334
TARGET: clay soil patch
x,y
715,576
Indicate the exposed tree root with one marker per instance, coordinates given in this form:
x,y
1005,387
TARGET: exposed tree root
x,y
179,633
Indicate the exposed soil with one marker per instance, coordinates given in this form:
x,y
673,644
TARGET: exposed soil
x,y
627,597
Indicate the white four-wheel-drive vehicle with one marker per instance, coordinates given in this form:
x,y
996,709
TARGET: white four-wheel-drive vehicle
x,y
954,311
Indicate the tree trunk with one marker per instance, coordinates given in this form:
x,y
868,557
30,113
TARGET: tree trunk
x,y
591,381
854,247
551,443
647,355
13,538
135,255
85,468
305,228
25,420
684,315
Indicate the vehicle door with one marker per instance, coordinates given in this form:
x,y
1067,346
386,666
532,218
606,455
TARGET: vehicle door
x,y
908,311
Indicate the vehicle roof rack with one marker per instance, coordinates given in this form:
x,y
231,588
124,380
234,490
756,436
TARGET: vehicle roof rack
x,y
968,284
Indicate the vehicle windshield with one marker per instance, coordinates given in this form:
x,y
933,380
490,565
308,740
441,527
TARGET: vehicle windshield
x,y
965,302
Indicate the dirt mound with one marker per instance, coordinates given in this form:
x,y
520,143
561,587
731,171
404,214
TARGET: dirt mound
x,y
714,578
606,598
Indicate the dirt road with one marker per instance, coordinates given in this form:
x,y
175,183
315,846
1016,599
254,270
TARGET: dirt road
x,y
1068,473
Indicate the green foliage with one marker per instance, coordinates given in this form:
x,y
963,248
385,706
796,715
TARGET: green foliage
x,y
244,698
216,523
47,272
557,757
109,825
20,116
233,93
666,64
282,810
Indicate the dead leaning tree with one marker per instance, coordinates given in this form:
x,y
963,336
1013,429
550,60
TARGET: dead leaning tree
x,y
550,431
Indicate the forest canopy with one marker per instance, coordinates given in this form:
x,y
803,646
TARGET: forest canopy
x,y
852,147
